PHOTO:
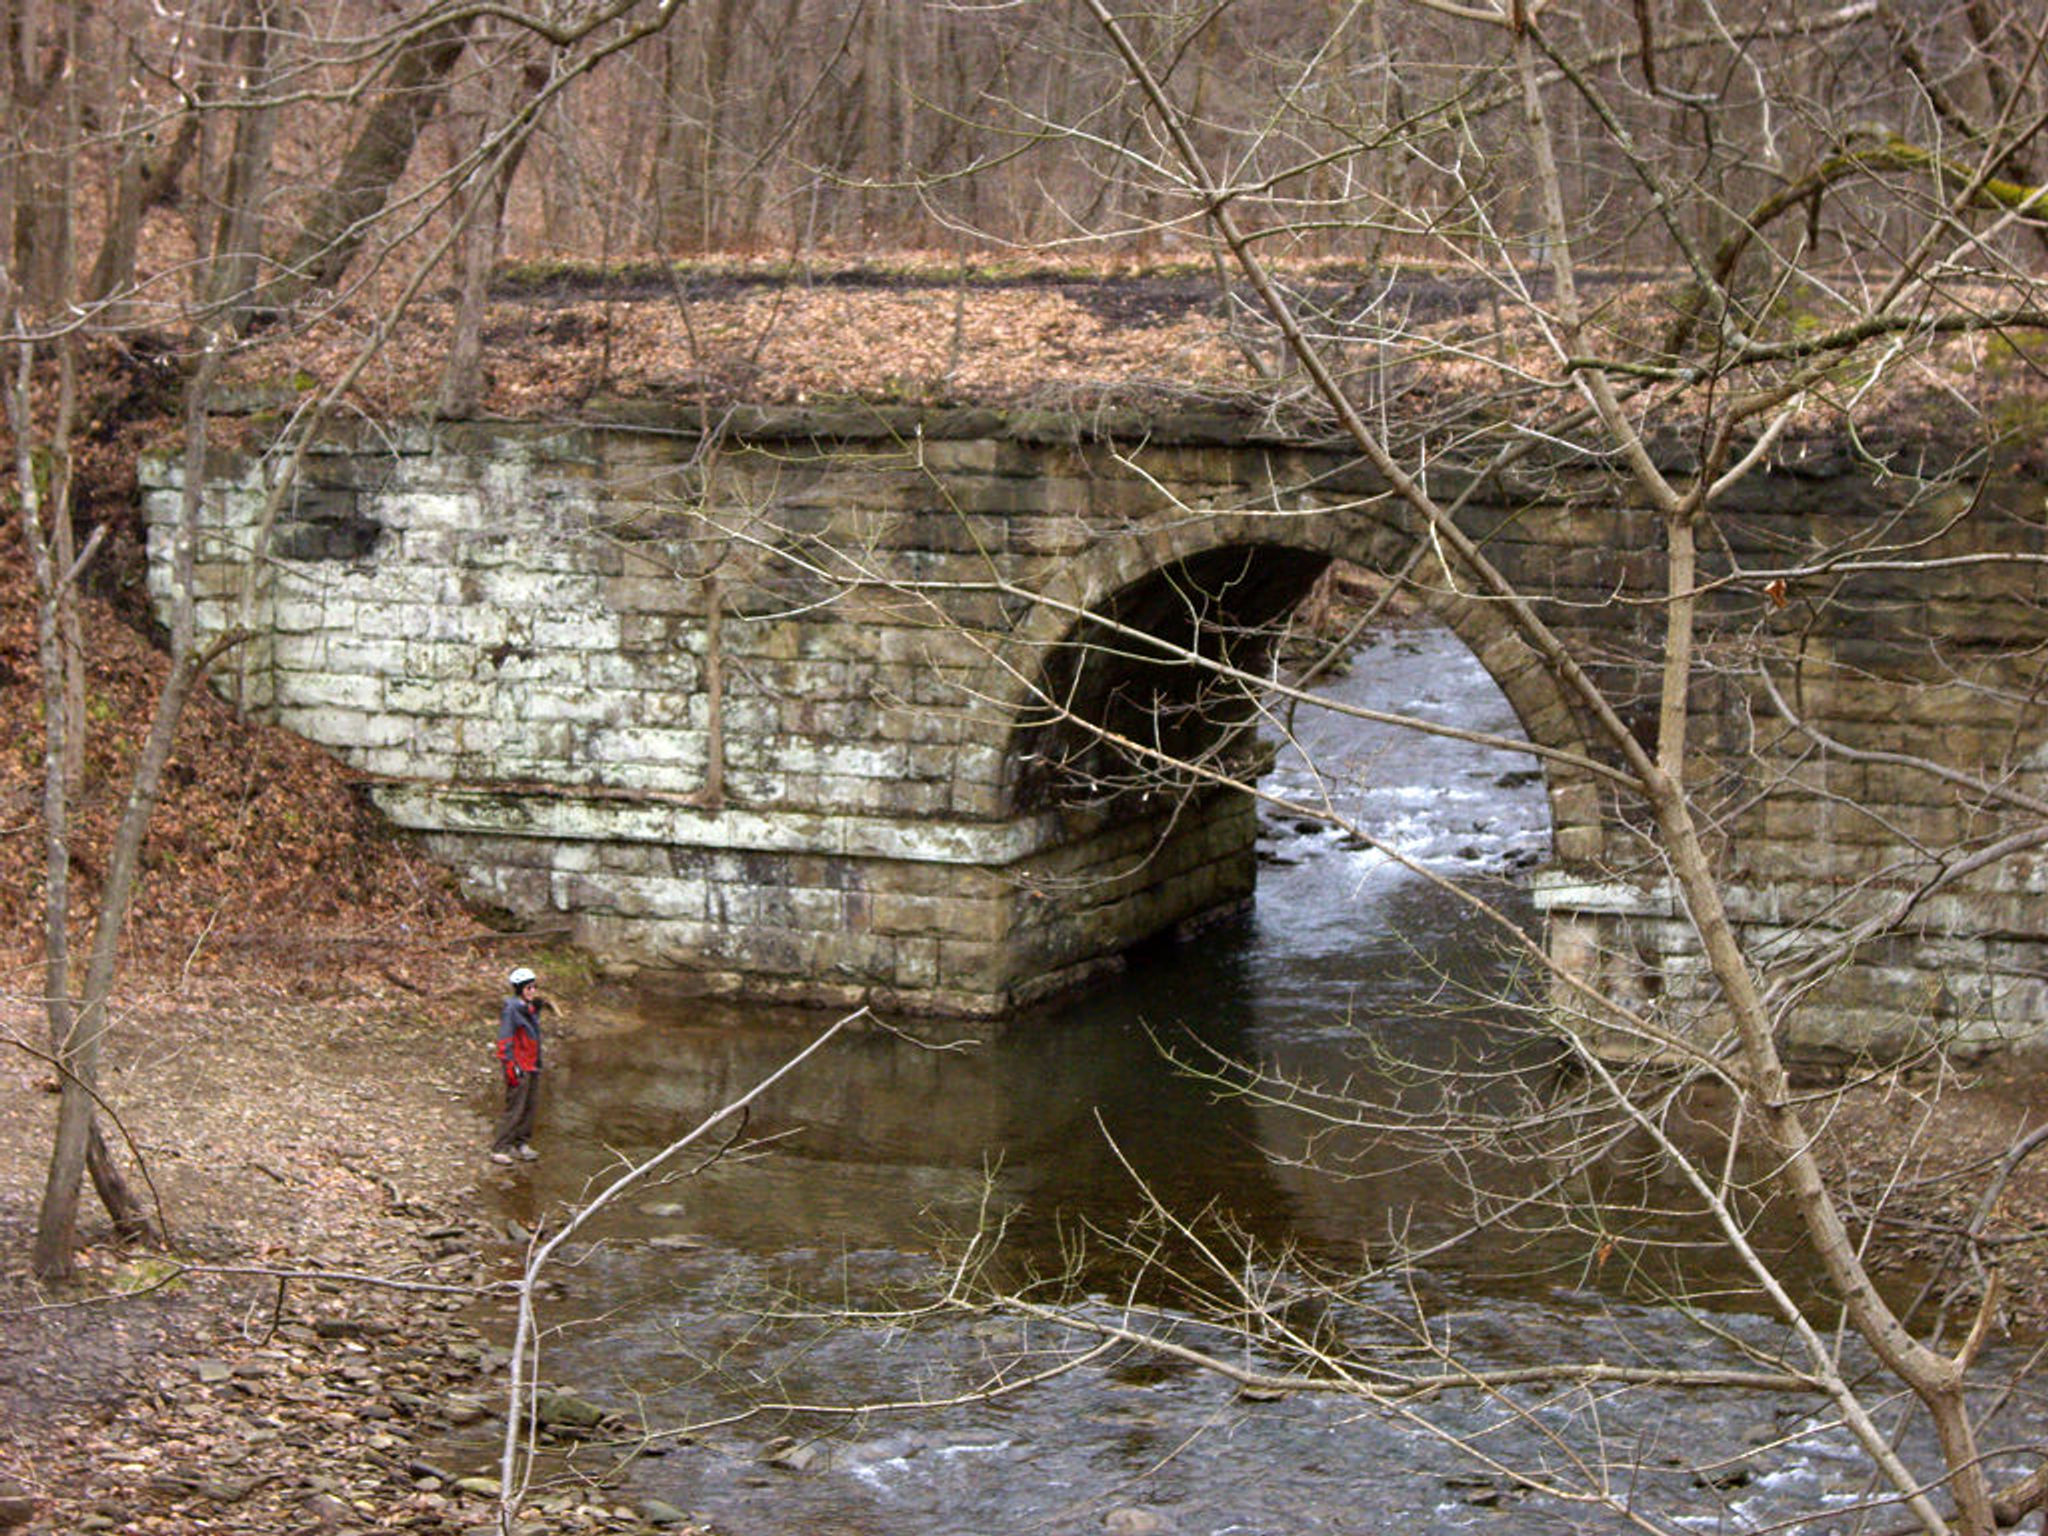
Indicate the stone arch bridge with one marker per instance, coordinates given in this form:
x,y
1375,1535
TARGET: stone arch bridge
x,y
791,714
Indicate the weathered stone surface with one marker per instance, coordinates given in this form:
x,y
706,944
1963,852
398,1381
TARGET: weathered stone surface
x,y
519,626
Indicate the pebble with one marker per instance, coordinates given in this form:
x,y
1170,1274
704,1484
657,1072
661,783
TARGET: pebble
x,y
789,1455
330,1511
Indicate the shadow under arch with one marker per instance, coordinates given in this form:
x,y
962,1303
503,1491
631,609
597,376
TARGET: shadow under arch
x,y
1211,585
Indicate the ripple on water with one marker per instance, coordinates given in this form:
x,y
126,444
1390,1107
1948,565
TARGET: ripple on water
x,y
864,1166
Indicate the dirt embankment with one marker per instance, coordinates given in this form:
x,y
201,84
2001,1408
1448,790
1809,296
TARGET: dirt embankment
x,y
250,1376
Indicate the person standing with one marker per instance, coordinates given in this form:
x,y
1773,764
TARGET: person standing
x,y
519,1053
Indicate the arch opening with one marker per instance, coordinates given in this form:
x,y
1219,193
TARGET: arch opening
x,y
1140,739
1148,694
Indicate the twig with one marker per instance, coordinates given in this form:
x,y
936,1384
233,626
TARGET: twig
x,y
521,1404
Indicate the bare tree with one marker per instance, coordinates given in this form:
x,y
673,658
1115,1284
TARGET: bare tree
x,y
71,56
1701,241
113,114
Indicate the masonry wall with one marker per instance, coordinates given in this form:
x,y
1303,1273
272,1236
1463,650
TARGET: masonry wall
x,y
755,715
513,634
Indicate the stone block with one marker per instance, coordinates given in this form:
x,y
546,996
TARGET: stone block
x,y
389,621
662,632
325,690
301,652
254,679
291,613
574,632
916,963
974,968
395,762
663,678
625,896
1580,845
345,730
437,697
602,706
654,591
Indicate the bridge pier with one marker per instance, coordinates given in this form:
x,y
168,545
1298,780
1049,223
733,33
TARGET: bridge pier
x,y
955,918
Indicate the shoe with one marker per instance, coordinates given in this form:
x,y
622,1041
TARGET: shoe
x,y
527,1154
501,1157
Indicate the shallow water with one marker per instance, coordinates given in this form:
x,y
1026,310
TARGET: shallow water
x,y
701,1303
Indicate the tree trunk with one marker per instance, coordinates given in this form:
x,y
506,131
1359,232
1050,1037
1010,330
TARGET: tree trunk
x,y
462,375
342,216
57,1223
138,188
80,1028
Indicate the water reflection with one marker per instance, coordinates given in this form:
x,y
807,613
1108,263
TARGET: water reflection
x,y
701,1302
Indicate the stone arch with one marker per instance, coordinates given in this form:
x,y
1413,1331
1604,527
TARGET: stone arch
x,y
1121,564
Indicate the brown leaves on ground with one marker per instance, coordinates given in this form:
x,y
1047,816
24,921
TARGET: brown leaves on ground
x,y
1424,349
260,843
731,335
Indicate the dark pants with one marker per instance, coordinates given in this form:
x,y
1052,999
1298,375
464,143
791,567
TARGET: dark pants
x,y
516,1124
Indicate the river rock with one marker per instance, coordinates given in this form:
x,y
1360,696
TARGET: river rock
x,y
788,1454
459,1411
329,1512
1135,1522
564,1410
654,1512
482,1487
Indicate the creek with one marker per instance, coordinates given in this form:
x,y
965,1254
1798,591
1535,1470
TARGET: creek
x,y
706,1296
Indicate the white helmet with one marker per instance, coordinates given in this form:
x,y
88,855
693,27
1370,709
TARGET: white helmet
x,y
520,977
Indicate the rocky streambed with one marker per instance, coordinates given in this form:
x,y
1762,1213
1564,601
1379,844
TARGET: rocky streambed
x,y
307,1354
245,1403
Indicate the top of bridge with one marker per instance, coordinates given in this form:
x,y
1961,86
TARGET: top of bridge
x,y
928,332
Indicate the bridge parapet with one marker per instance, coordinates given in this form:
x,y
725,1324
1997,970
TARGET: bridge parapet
x,y
774,712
